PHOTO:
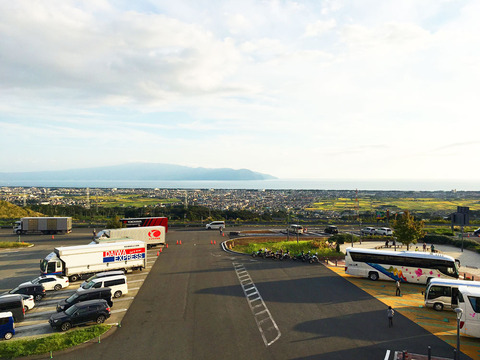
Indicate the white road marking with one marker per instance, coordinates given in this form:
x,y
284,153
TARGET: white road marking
x,y
266,325
387,355
117,311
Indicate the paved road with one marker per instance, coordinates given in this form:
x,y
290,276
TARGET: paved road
x,y
193,306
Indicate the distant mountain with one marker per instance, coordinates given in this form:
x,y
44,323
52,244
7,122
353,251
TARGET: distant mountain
x,y
138,171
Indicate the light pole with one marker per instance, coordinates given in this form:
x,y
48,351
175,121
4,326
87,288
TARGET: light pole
x,y
459,312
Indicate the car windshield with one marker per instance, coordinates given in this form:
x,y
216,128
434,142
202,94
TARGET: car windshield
x,y
71,310
88,285
72,298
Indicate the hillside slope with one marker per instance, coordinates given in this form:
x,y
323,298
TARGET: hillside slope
x,y
10,211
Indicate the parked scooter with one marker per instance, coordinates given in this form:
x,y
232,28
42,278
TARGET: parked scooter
x,y
314,259
258,253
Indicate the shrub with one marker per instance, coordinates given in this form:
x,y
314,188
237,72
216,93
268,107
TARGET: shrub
x,y
343,238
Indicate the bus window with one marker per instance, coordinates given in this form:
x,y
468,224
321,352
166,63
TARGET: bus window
x,y
475,302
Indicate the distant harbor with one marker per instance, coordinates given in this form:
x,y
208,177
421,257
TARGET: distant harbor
x,y
271,184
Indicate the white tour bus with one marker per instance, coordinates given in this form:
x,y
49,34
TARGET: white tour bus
x,y
296,229
469,302
443,293
405,266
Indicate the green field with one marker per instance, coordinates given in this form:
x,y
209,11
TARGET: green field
x,y
394,204
135,200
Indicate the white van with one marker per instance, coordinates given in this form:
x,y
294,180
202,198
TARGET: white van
x,y
296,229
215,225
117,283
103,274
443,293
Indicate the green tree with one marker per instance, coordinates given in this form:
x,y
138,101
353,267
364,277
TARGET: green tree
x,y
114,223
407,229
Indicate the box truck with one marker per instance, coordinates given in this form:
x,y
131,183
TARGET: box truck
x,y
44,225
151,235
146,221
82,261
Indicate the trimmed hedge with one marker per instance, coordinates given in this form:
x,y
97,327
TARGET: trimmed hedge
x,y
446,240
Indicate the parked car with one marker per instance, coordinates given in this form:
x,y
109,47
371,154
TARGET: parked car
x,y
215,225
331,229
37,290
384,231
51,282
28,301
7,325
368,231
117,283
81,313
87,295
13,304
103,274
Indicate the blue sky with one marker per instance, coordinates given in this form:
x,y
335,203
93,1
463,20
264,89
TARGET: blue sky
x,y
372,89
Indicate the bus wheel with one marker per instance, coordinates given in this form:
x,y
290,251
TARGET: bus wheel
x,y
438,306
373,276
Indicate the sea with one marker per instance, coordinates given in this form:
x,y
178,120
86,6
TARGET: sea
x,y
273,184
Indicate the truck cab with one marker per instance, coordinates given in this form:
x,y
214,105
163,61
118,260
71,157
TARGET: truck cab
x,y
51,265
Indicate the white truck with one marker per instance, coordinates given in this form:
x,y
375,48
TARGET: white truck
x,y
45,225
151,235
82,261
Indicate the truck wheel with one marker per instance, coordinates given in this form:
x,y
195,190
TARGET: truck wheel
x,y
65,326
8,336
74,278
19,232
57,287
117,294
100,319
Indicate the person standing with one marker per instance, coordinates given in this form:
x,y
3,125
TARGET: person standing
x,y
424,246
390,313
398,292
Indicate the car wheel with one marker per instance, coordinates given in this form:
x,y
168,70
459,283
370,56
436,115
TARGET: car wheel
x,y
8,336
26,308
100,319
438,307
373,276
38,297
117,294
66,326
57,287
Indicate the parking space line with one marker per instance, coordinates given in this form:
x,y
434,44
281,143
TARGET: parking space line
x,y
271,333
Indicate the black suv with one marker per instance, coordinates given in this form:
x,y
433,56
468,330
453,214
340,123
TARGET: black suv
x,y
37,290
90,294
81,313
331,229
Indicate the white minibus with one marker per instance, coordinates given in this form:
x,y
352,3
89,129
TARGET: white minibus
x,y
296,229
469,302
443,293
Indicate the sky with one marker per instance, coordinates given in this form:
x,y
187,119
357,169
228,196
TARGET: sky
x,y
332,89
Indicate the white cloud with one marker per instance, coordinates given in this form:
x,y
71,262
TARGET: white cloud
x,y
250,84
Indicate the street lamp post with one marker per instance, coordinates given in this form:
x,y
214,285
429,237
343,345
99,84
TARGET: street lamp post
x,y
459,312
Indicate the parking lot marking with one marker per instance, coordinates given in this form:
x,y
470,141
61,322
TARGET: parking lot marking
x,y
117,311
387,355
124,298
266,325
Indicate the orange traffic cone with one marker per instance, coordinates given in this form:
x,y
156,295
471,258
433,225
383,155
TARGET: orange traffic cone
x,y
211,242
161,250
223,234
166,245
158,253
52,237
214,242
177,242
180,242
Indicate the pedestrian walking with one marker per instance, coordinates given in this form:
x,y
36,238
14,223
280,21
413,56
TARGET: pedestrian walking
x,y
433,248
390,313
398,292
424,246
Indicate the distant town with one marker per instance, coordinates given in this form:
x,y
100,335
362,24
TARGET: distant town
x,y
296,201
